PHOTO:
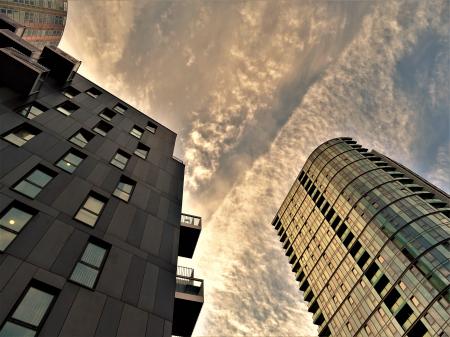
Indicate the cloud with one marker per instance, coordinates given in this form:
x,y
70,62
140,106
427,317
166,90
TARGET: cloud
x,y
252,88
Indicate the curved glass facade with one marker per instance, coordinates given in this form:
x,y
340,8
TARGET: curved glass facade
x,y
368,241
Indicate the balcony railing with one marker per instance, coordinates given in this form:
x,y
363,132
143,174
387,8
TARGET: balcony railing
x,y
191,220
187,283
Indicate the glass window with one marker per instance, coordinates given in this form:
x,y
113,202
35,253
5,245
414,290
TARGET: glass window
x,y
71,160
120,159
32,110
67,108
151,127
124,188
120,108
91,209
12,221
142,151
28,316
93,92
22,134
81,138
137,132
107,114
70,92
102,128
35,181
89,266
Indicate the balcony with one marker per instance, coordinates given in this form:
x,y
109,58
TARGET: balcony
x,y
190,227
11,25
188,302
20,72
62,66
9,39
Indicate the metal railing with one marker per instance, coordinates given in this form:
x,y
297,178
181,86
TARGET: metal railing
x,y
29,60
191,220
187,283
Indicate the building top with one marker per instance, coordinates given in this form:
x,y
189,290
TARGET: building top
x,y
8,23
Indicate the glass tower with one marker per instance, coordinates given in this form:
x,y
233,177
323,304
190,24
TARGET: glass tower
x,y
44,20
368,241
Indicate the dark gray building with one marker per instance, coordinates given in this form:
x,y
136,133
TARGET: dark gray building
x,y
90,208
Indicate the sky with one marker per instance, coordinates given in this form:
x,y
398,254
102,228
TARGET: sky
x,y
251,88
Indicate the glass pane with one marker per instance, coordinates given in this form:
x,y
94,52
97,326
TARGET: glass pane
x,y
5,239
79,140
105,116
121,158
33,306
14,139
39,178
84,275
125,187
14,330
94,205
122,195
86,217
34,112
63,111
141,153
73,159
117,163
93,255
66,166
24,134
27,189
15,219
99,131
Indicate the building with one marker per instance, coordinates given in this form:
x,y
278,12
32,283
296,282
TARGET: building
x,y
90,208
368,241
43,20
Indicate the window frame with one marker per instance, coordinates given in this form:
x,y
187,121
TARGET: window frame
x,y
137,128
74,152
70,96
41,168
99,131
21,207
43,287
92,94
125,180
105,117
96,196
66,111
96,242
24,126
80,131
151,127
121,106
137,148
123,154
28,107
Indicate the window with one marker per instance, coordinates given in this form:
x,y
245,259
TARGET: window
x,y
67,108
33,183
90,264
30,312
151,127
22,134
120,159
93,92
124,188
71,160
91,209
120,108
32,110
12,220
102,128
142,151
70,92
137,132
107,114
81,138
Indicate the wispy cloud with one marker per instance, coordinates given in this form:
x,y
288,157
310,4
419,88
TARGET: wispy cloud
x,y
252,88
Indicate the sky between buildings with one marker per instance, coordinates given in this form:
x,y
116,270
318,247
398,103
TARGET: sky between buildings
x,y
251,88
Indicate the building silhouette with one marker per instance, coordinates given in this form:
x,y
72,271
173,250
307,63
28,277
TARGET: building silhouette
x,y
90,207
43,20
368,241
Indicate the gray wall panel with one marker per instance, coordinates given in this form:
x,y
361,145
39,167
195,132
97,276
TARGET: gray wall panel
x,y
134,281
110,318
155,326
133,322
148,290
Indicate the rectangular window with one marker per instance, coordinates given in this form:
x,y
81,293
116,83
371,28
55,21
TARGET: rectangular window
x,y
30,312
91,209
102,128
71,160
22,134
33,183
93,92
70,92
67,108
136,132
120,159
120,108
151,127
81,138
107,114
32,110
124,188
142,151
90,264
12,220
